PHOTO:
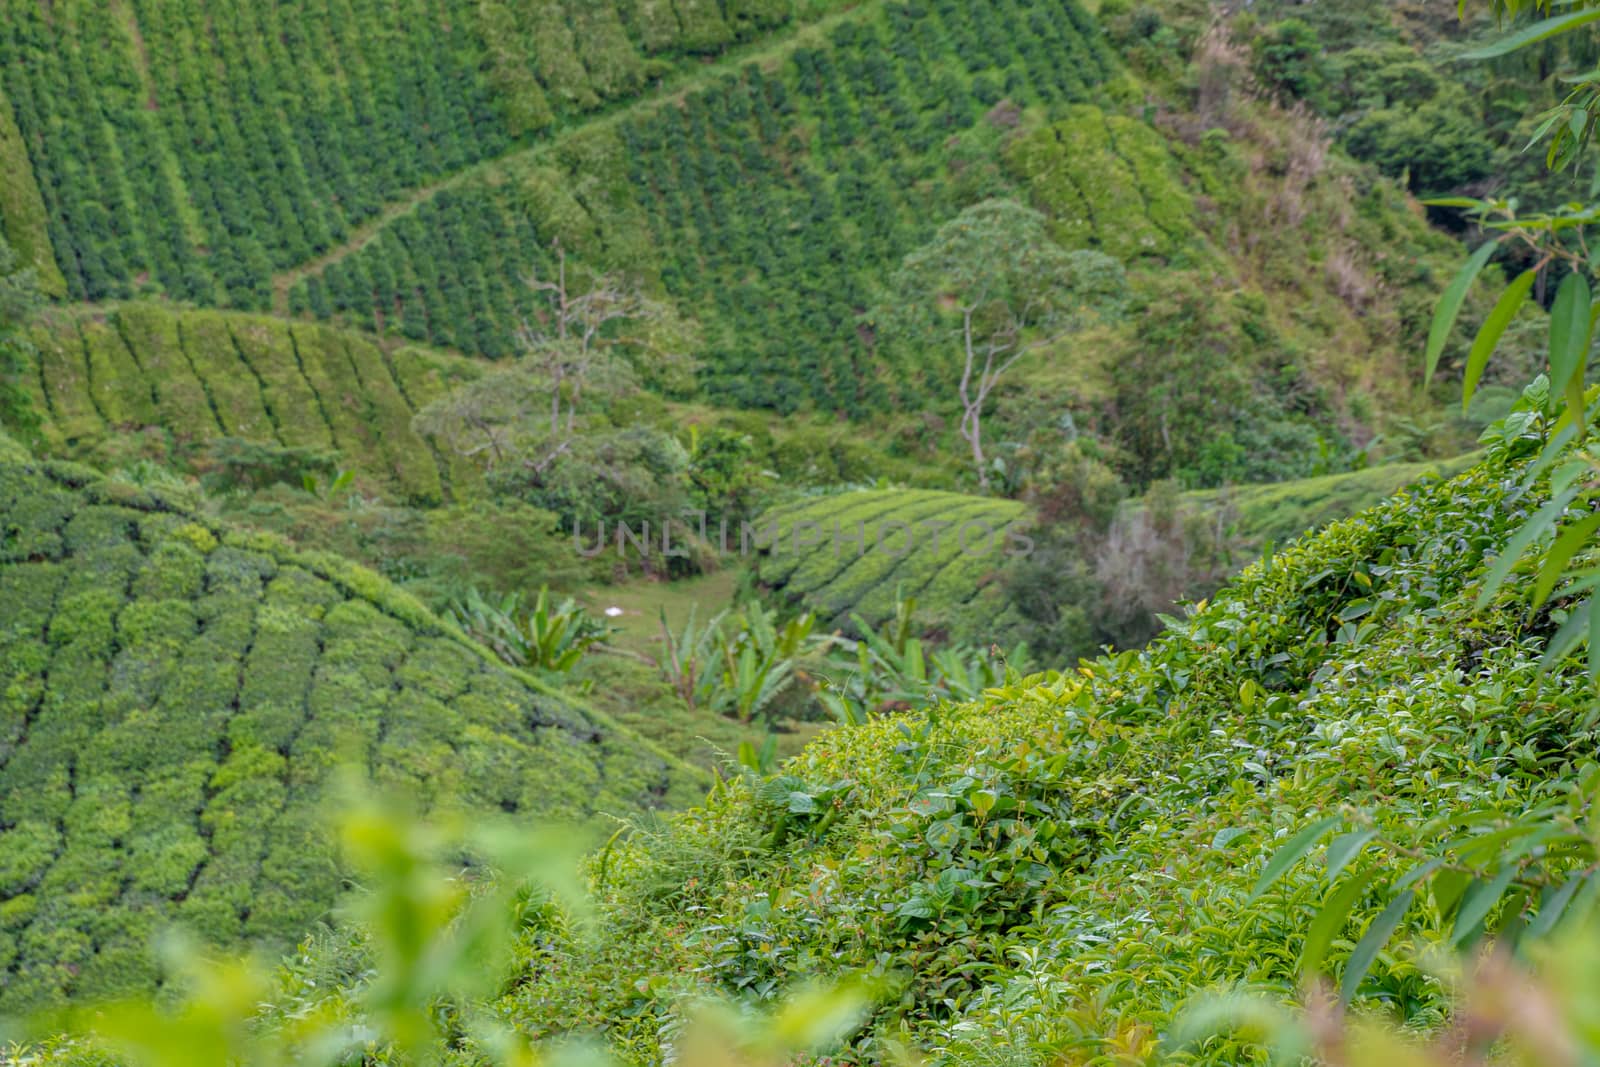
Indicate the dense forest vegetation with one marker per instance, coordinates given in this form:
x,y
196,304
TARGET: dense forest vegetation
x,y
756,532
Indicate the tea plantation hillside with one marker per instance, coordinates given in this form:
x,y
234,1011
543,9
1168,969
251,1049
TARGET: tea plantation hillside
x,y
194,377
174,696
768,202
195,149
1050,874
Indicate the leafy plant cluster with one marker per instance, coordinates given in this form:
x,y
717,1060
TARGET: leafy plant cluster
x,y
817,173
739,662
195,153
546,637
173,698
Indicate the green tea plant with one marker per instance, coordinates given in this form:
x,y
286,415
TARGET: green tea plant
x,y
177,693
1510,1013
438,936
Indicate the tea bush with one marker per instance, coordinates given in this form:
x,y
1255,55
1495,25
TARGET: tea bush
x,y
199,379
194,152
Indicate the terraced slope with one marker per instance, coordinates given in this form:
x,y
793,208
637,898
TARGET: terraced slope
x,y
197,148
174,697
196,376
768,202
855,552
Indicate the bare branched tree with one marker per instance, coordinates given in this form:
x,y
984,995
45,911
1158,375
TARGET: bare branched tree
x,y
595,342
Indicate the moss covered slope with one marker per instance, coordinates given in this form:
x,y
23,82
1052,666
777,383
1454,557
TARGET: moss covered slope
x,y
174,697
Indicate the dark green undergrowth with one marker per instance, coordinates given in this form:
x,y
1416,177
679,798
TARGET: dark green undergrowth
x,y
175,696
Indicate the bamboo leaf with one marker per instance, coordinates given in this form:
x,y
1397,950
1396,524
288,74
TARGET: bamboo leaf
x,y
1569,331
1444,316
1539,523
1592,609
1372,942
1533,34
1551,906
1566,639
1572,539
1330,920
1345,847
1478,902
1291,853
1483,346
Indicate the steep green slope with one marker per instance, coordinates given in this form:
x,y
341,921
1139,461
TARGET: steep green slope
x,y
197,376
197,148
856,552
1050,874
174,697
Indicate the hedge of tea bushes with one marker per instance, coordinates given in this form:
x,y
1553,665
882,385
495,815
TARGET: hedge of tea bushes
x,y
861,551
769,199
1053,873
197,149
197,376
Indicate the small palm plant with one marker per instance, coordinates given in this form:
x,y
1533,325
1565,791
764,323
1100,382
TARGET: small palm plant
x,y
547,638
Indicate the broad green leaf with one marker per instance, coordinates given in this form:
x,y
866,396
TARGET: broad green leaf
x,y
1444,316
1419,872
1228,835
1533,34
1345,847
1478,901
1575,537
1291,853
1569,331
1330,920
1372,942
1483,346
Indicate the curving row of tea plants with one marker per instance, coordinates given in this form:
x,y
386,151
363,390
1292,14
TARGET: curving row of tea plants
x,y
197,377
863,552
174,699
767,203
195,150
